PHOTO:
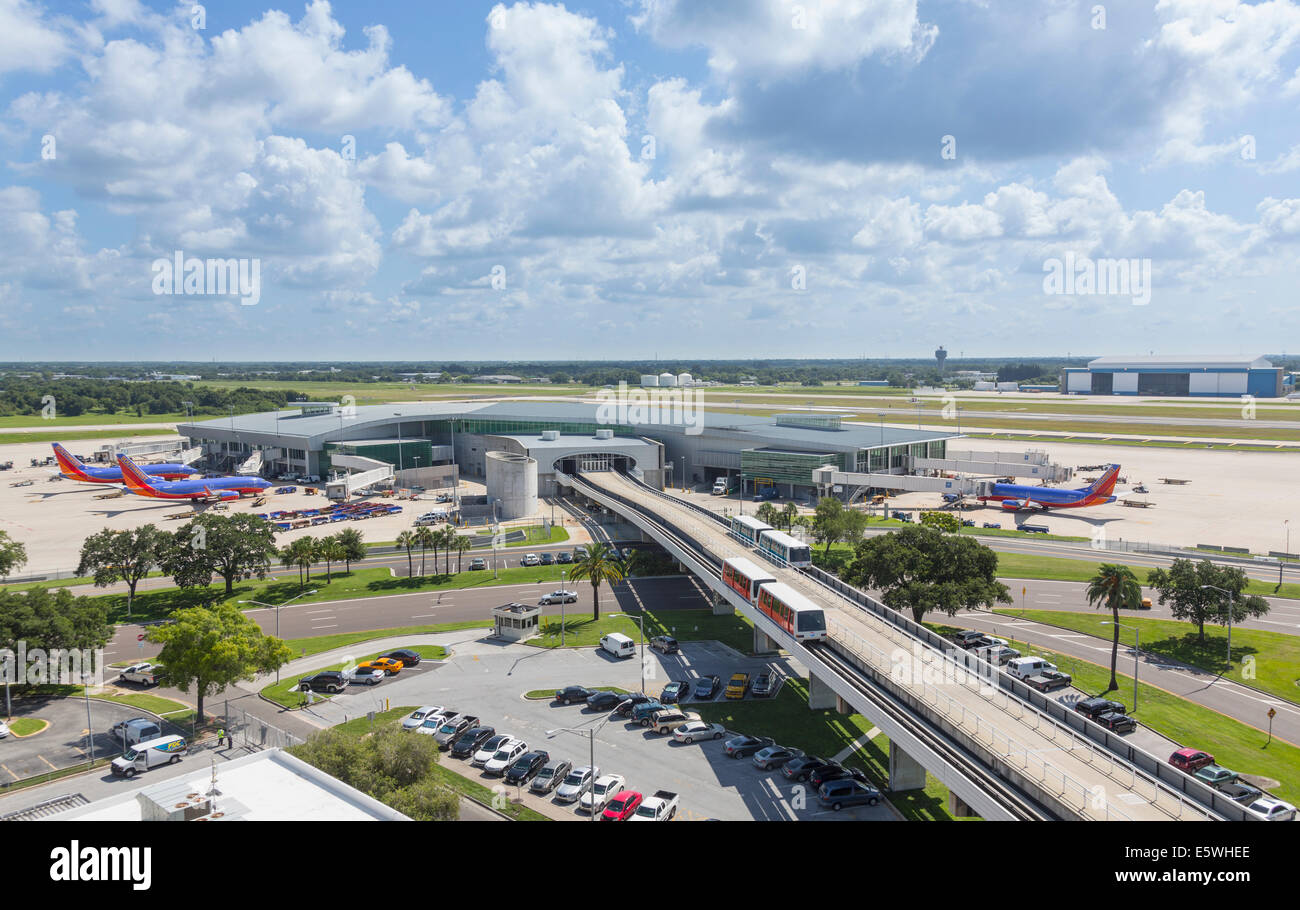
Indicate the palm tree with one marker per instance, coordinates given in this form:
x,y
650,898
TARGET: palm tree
x,y
601,564
331,550
448,537
353,546
463,546
407,540
789,514
289,559
300,553
426,538
1114,586
767,514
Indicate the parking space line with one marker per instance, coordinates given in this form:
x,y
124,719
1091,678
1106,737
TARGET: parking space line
x,y
335,626
53,767
11,774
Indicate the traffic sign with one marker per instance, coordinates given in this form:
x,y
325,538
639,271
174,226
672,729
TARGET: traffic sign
x,y
140,637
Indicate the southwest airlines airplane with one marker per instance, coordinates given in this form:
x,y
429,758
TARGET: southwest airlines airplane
x,y
1015,497
73,468
222,488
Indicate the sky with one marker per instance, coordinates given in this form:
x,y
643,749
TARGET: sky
x,y
731,179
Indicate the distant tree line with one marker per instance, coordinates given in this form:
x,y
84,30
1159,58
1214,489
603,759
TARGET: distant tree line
x,y
75,397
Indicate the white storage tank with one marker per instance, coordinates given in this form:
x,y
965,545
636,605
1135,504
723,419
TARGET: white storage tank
x,y
667,379
649,381
685,379
512,480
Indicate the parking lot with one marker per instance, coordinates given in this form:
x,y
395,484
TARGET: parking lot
x,y
63,743
489,680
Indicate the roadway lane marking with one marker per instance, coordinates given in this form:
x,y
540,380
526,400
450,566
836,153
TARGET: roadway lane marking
x,y
309,612
314,628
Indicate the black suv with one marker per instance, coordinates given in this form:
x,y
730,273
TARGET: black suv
x,y
604,701
1096,707
629,702
471,740
324,681
664,644
803,768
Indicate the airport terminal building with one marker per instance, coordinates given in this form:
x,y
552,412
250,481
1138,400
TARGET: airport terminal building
x,y
1171,376
505,442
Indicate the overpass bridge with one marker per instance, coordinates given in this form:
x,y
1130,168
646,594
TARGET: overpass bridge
x,y
1006,751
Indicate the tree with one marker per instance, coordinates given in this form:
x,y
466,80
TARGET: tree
x,y
406,540
330,550
300,553
852,525
51,620
941,521
921,569
210,648
767,514
447,537
128,556
1114,586
601,564
231,546
426,537
788,514
828,524
13,555
1180,588
463,546
354,548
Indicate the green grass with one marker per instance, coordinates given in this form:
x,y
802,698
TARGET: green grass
x,y
788,719
1235,745
1057,568
64,436
535,534
543,694
1274,656
26,726
285,693
582,631
1144,443
125,418
305,647
62,582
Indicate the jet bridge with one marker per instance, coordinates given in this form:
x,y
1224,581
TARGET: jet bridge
x,y
829,475
372,472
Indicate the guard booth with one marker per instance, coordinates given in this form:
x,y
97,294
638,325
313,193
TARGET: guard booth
x,y
515,622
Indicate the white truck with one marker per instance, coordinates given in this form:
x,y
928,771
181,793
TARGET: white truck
x,y
658,808
145,674
721,487
166,750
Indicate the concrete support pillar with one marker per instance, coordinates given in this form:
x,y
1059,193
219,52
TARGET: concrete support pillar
x,y
821,695
957,807
763,644
905,772
722,607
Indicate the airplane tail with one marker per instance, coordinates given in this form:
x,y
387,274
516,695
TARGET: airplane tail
x,y
1104,486
136,480
68,463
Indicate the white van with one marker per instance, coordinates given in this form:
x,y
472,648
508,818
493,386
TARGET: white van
x,y
166,750
1025,667
618,644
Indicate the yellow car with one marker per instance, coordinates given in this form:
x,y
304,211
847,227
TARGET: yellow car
x,y
388,665
738,685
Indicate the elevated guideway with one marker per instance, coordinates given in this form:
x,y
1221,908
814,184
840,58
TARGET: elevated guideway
x,y
1005,753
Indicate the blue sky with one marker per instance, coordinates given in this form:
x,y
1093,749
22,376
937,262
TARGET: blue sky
x,y
731,179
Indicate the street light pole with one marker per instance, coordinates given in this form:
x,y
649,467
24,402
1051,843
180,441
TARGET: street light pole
x,y
276,608
641,620
1137,647
590,733
562,609
1232,603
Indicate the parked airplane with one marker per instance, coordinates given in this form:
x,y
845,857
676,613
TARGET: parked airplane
x,y
1015,497
74,468
222,488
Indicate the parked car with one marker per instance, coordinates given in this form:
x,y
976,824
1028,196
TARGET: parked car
x,y
433,723
404,656
477,564
570,694
604,701
559,597
998,654
550,775
1117,722
564,556
764,685
664,644
325,681
471,741
135,730
1190,760
505,756
706,687
417,717
527,766
453,728
1216,776
775,756
658,808
389,666
629,703
548,559
698,729
675,691
1273,809
741,746
802,768
738,685
665,721
579,553
601,792
835,771
576,782
1096,707
145,674
966,638
643,712
4,729
1240,792
370,676
622,807
838,794
530,559
489,749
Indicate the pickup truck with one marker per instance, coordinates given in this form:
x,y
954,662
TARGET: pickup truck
x,y
658,808
145,674
1048,680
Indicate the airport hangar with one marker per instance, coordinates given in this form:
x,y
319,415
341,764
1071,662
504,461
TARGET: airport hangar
x,y
1174,376
431,443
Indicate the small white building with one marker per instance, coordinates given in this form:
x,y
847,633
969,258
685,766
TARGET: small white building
x,y
515,622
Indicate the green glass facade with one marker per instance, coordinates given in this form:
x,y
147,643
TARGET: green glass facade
x,y
477,426
785,467
410,450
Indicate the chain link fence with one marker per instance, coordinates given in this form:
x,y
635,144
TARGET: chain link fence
x,y
253,733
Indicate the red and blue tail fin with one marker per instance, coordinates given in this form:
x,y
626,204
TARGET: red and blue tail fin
x,y
69,464
136,480
1104,486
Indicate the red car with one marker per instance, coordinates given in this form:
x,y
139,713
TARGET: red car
x,y
1191,760
622,807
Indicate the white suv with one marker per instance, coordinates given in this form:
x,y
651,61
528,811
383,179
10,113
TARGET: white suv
x,y
505,756
532,559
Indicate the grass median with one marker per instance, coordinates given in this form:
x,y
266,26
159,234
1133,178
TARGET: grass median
x,y
285,693
582,630
1058,568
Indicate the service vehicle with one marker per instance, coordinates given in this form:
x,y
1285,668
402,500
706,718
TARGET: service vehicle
x,y
738,685
1049,680
166,750
618,644
721,487
658,808
1025,667
145,674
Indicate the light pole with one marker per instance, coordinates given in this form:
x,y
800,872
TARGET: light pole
x,y
1232,603
400,463
90,729
562,609
590,733
640,618
276,608
496,529
1137,646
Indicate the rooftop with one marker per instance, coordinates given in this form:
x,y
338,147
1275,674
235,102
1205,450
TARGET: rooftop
x,y
1182,362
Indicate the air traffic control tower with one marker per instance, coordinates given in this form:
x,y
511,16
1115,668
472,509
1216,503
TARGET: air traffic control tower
x,y
941,355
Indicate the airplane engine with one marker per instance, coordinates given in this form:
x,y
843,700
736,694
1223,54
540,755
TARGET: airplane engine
x,y
1011,505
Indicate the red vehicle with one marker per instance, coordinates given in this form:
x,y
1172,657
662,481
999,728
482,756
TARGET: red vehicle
x,y
1191,760
743,577
622,807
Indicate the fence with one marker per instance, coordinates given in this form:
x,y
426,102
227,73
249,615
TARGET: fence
x,y
253,733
